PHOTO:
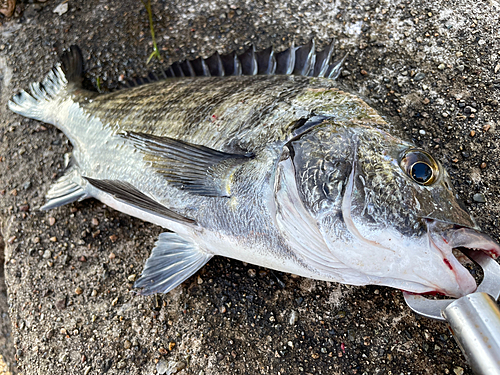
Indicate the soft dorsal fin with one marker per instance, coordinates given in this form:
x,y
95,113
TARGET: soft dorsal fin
x,y
72,64
194,168
64,77
172,261
125,192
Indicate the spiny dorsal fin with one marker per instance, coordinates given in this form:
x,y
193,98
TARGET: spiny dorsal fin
x,y
231,63
303,60
194,168
266,61
215,66
285,61
305,57
126,193
249,62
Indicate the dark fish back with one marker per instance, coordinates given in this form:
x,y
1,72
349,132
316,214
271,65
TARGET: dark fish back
x,y
230,114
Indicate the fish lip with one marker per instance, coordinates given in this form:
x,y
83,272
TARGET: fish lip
x,y
457,236
444,237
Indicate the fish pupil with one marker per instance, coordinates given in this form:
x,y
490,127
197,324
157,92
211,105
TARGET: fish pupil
x,y
421,172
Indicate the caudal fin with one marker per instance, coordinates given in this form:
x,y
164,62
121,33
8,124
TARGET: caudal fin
x,y
66,74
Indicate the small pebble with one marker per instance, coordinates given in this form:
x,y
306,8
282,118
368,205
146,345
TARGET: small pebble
x,y
441,66
422,131
94,293
113,237
49,334
127,344
168,368
199,280
47,254
132,277
364,72
252,272
61,304
24,208
483,165
419,76
53,239
171,345
121,365
162,366
78,291
163,351
112,256
472,133
95,222
479,197
293,318
114,302
458,370
52,221
61,8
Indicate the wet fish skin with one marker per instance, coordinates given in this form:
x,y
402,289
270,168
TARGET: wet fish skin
x,y
286,172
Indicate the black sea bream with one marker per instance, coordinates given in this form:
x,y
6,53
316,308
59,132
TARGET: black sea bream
x,y
264,158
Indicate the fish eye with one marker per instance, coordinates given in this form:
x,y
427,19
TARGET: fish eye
x,y
420,166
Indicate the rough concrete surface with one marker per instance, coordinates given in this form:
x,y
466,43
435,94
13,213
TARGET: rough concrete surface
x,y
433,67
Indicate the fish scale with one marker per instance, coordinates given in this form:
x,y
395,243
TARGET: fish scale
x,y
289,172
208,111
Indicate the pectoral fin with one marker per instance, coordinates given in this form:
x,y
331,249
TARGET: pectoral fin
x,y
194,168
172,261
125,192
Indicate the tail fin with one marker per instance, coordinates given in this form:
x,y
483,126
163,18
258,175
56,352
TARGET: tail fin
x,y
68,72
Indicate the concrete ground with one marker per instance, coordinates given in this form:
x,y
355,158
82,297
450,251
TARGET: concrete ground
x,y
432,67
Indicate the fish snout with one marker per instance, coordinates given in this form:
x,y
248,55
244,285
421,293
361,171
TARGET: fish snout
x,y
445,240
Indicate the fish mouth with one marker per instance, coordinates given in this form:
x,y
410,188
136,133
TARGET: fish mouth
x,y
445,237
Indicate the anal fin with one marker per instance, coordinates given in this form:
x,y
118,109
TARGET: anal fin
x,y
65,190
172,261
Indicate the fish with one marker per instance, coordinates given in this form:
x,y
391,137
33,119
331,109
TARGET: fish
x,y
262,157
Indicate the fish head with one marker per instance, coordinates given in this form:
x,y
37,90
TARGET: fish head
x,y
386,210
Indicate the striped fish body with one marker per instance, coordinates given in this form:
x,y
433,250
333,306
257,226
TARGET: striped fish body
x,y
280,171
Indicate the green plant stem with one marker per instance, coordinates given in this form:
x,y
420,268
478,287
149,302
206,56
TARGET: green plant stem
x,y
155,53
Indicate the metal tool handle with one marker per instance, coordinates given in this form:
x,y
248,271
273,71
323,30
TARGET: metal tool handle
x,y
474,321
